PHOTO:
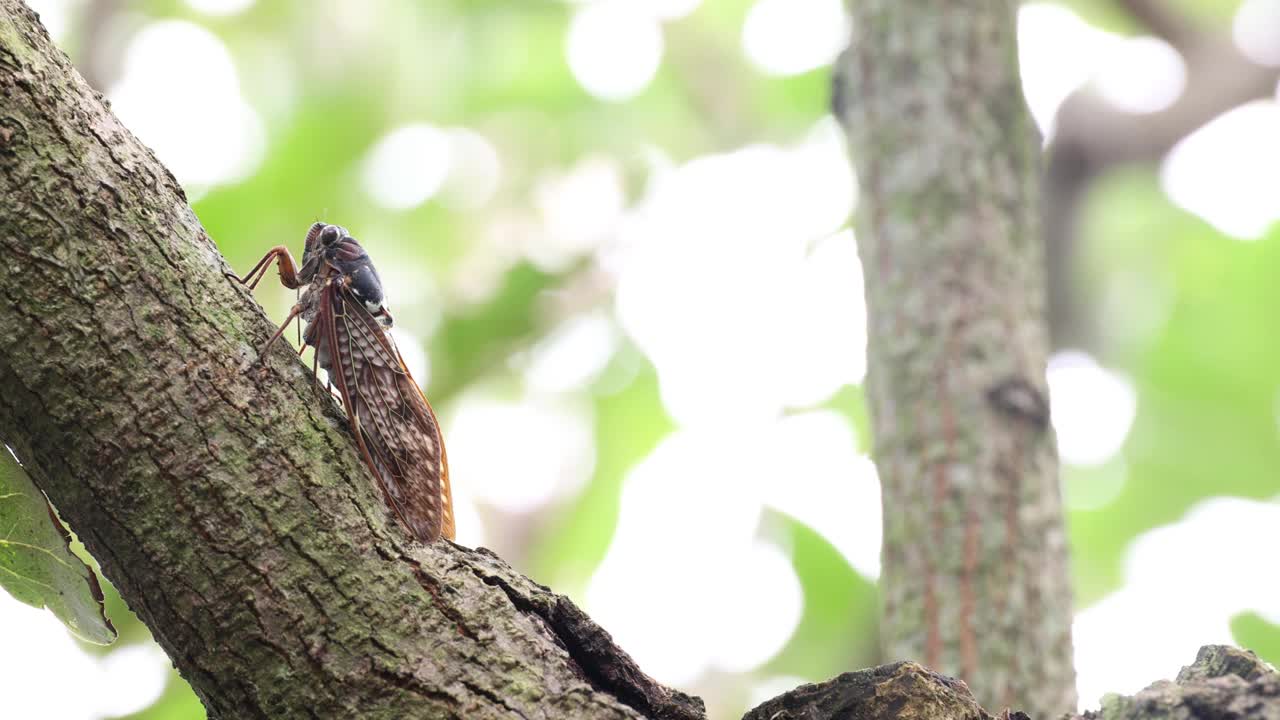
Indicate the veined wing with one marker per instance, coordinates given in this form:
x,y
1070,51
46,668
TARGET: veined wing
x,y
394,425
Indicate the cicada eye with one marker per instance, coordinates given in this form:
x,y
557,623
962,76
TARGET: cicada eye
x,y
330,235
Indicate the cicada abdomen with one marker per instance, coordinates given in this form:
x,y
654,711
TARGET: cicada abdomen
x,y
394,425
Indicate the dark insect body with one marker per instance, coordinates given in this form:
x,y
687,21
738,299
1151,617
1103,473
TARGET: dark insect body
x,y
346,322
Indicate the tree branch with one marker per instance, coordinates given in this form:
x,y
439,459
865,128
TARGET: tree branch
x,y
1095,136
1092,137
1163,22
94,33
229,505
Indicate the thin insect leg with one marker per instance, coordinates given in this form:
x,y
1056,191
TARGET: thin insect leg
x,y
297,310
260,268
259,271
288,269
315,374
297,298
315,371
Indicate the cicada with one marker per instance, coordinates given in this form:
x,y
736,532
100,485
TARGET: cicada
x,y
347,321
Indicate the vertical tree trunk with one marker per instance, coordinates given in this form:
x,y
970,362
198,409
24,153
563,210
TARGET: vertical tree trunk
x,y
975,579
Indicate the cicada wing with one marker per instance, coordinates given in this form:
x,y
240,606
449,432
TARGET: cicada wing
x,y
447,528
394,426
428,419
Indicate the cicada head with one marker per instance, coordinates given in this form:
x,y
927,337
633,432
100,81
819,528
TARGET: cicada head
x,y
333,246
320,238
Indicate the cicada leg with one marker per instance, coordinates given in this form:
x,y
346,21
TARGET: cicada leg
x,y
293,314
288,277
315,370
297,298
288,269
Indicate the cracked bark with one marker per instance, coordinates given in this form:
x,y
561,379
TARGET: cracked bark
x,y
229,506
975,578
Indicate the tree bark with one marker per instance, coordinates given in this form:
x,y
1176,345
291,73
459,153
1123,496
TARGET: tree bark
x,y
1223,682
975,576
898,690
225,498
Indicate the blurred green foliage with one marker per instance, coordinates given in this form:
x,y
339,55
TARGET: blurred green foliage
x,y
1206,374
583,530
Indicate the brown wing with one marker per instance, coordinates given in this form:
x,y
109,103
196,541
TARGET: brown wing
x,y
393,423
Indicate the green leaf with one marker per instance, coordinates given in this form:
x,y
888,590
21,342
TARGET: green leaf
x,y
36,562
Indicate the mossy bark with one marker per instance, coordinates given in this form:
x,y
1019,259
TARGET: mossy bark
x,y
225,499
975,575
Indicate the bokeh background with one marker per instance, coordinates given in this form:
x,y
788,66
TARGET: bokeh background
x,y
616,238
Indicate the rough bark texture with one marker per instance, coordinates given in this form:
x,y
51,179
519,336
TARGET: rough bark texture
x,y
901,691
1224,683
228,504
975,578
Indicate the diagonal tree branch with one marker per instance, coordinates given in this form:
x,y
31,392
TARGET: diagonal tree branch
x,y
228,505
1092,137
1097,136
1163,22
